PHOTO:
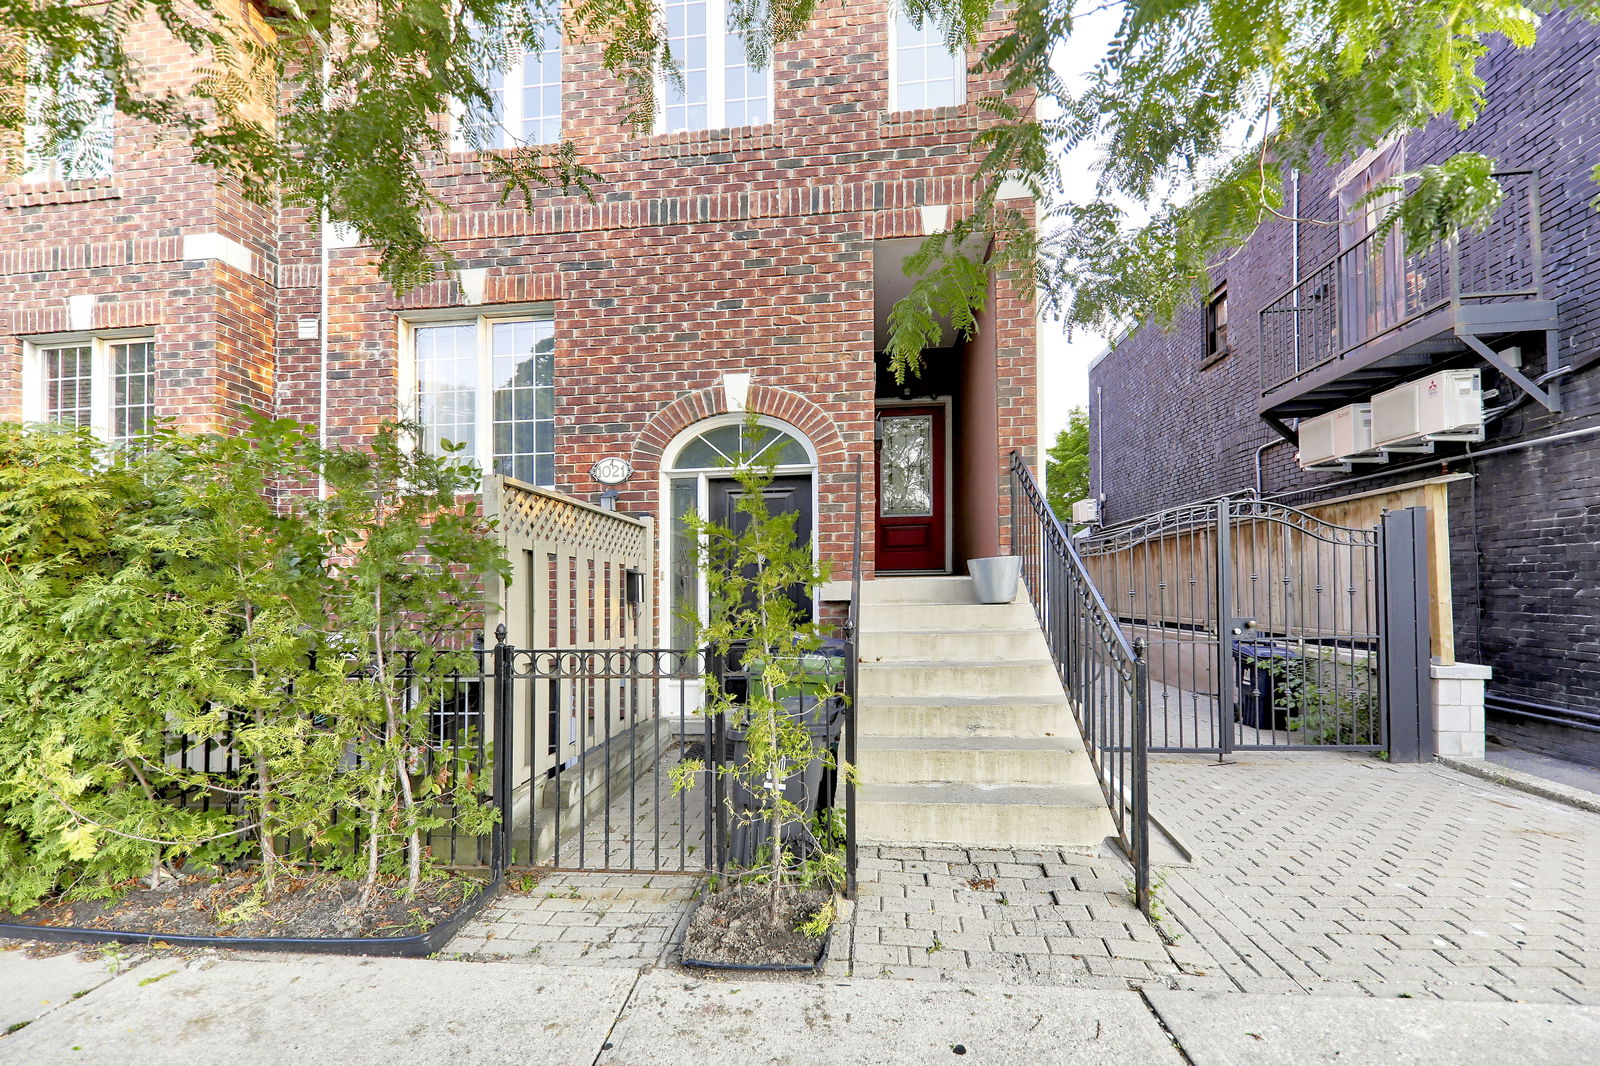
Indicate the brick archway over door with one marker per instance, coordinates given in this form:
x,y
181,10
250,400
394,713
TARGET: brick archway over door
x,y
777,403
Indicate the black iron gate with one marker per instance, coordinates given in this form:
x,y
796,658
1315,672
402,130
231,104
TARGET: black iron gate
x,y
1269,628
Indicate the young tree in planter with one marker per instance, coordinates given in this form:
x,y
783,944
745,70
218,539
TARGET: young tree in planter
x,y
752,567
410,544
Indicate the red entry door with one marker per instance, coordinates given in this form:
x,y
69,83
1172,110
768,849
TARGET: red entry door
x,y
911,488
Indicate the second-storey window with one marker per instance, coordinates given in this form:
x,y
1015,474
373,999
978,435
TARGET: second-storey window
x,y
923,71
720,88
1217,323
489,384
68,134
103,384
526,93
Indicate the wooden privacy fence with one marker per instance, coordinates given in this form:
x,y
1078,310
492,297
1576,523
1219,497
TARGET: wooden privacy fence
x,y
580,580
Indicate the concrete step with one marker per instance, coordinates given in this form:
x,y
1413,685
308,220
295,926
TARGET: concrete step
x,y
1029,677
971,716
1069,816
982,645
954,617
973,760
957,589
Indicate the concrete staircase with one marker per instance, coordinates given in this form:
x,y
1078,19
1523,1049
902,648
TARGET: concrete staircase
x,y
965,736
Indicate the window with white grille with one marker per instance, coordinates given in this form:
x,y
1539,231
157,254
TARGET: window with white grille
x,y
68,129
525,93
488,385
106,385
719,86
923,70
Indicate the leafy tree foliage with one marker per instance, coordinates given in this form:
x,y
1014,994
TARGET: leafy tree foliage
x,y
752,565
339,108
200,594
1168,103
1066,466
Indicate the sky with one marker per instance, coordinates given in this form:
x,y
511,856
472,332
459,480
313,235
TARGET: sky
x,y
1063,363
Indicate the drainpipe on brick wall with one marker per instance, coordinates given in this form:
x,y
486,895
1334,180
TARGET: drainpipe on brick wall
x,y
322,319
1294,269
322,351
1259,452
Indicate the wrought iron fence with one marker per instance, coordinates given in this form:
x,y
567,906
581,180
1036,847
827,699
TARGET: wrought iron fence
x,y
1103,674
588,754
454,749
1261,622
1378,286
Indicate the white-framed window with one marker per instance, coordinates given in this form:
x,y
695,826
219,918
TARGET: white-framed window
x,y
82,100
720,87
923,71
487,383
102,383
525,90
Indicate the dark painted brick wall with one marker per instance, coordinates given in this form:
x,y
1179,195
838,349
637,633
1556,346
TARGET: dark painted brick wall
x,y
1526,531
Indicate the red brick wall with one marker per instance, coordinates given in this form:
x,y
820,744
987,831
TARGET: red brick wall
x,y
703,252
120,239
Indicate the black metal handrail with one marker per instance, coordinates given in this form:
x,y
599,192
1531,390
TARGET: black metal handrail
x,y
1376,287
1105,677
852,635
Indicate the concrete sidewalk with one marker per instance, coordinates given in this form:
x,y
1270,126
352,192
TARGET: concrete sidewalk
x,y
243,1010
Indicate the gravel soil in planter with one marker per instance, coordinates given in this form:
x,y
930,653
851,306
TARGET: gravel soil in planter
x,y
315,912
733,930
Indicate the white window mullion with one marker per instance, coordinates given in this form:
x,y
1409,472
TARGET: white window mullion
x,y
33,384
716,65
511,112
485,403
100,386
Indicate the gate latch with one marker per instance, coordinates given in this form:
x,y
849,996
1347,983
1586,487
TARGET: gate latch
x,y
1237,626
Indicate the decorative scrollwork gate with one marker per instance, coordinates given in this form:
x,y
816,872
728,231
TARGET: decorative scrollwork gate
x,y
1269,628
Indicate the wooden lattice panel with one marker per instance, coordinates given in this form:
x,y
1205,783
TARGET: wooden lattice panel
x,y
549,520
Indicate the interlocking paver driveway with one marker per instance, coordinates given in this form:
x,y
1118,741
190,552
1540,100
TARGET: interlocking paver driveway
x,y
1315,872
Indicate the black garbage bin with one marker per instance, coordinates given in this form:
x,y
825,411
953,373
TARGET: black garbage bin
x,y
1255,701
809,787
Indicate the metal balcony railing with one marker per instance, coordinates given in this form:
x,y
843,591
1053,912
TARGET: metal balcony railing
x,y
1376,289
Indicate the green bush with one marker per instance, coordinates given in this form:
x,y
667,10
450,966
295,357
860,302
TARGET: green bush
x,y
219,589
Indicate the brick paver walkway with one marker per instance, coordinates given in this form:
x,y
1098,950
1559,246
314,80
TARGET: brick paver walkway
x,y
1318,872
1009,917
1315,873
587,918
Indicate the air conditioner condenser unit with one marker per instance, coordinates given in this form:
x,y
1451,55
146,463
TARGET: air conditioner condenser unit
x,y
1086,512
1338,438
1447,405
1317,449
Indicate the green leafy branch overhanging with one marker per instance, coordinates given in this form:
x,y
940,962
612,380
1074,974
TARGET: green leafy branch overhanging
x,y
1193,111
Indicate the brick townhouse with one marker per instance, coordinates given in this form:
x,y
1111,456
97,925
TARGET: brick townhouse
x,y
742,257
1286,383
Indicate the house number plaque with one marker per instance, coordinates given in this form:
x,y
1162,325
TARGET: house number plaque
x,y
612,470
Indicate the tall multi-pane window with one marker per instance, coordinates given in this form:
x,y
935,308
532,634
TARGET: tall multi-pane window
x,y
68,135
720,87
924,71
103,384
525,90
488,384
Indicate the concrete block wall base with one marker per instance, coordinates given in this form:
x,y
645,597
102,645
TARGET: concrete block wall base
x,y
1458,709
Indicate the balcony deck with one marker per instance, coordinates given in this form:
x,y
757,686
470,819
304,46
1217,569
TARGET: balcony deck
x,y
1374,315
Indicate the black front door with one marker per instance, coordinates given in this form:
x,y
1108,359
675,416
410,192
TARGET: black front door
x,y
791,493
